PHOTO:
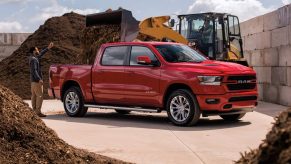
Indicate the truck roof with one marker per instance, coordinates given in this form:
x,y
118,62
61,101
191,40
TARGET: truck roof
x,y
141,43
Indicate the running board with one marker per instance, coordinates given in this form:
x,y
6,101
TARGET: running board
x,y
123,108
210,113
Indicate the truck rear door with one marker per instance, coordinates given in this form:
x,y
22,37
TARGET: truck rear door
x,y
108,76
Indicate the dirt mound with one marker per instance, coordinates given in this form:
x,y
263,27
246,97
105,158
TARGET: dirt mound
x,y
24,138
276,148
63,31
93,37
67,32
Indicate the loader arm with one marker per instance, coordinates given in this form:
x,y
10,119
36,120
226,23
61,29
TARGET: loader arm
x,y
155,28
152,27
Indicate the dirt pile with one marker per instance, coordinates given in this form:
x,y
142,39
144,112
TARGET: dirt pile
x,y
74,43
93,37
276,148
24,138
63,31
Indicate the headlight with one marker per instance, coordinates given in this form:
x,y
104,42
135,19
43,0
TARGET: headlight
x,y
210,80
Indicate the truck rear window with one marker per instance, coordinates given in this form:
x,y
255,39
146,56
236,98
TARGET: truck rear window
x,y
179,53
114,56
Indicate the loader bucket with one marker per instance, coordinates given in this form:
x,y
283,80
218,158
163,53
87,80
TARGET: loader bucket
x,y
129,25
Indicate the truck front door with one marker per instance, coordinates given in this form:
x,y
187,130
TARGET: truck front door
x,y
142,81
108,76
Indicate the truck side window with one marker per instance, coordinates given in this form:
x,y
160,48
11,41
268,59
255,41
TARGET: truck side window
x,y
140,51
114,56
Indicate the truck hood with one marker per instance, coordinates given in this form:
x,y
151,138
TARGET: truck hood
x,y
209,66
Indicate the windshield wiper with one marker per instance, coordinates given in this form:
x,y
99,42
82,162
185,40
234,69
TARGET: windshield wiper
x,y
196,61
188,61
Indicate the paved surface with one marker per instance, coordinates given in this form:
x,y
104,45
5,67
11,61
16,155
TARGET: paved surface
x,y
270,109
150,138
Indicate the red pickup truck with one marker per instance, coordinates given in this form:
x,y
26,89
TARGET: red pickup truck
x,y
156,76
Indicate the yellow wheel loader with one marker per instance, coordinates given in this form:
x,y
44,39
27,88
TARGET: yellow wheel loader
x,y
216,35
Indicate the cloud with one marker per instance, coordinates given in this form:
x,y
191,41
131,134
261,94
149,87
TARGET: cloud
x,y
57,10
286,2
14,1
244,9
60,10
10,1
13,26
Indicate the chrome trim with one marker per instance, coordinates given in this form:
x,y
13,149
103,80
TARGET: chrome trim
x,y
123,108
180,108
72,102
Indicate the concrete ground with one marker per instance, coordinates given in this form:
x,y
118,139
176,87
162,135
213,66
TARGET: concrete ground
x,y
151,138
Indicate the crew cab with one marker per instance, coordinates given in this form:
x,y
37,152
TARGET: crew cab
x,y
156,77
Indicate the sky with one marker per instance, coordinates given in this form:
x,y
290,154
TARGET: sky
x,y
28,15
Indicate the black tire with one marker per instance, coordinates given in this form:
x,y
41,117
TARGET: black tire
x,y
79,111
194,113
122,111
233,117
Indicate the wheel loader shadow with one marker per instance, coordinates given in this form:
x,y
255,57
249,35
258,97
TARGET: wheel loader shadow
x,y
148,121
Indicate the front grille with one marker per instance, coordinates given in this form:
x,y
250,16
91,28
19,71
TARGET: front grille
x,y
251,77
242,98
241,82
241,86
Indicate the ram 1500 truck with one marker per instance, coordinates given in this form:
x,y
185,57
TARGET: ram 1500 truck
x,y
155,77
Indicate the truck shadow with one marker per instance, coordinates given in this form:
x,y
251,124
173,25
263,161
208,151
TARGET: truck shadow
x,y
148,121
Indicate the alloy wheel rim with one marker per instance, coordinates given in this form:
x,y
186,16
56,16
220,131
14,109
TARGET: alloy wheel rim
x,y
72,102
180,108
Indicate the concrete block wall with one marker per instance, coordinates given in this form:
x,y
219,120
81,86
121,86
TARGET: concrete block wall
x,y
267,47
9,42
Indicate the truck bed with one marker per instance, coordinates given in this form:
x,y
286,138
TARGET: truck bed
x,y
65,73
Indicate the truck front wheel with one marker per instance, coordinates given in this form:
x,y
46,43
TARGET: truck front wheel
x,y
74,103
182,108
232,117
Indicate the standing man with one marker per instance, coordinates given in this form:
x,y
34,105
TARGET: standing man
x,y
36,78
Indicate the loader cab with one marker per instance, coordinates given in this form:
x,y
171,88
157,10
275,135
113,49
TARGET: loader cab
x,y
217,35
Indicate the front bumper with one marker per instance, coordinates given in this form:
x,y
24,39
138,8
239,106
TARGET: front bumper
x,y
229,101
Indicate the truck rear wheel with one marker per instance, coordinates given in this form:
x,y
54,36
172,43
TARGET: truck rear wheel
x,y
233,117
182,108
74,102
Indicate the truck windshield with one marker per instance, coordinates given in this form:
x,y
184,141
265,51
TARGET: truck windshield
x,y
179,53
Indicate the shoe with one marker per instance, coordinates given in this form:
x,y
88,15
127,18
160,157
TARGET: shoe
x,y
41,115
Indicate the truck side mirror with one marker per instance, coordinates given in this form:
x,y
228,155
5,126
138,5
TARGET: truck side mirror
x,y
240,41
172,23
144,60
231,38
